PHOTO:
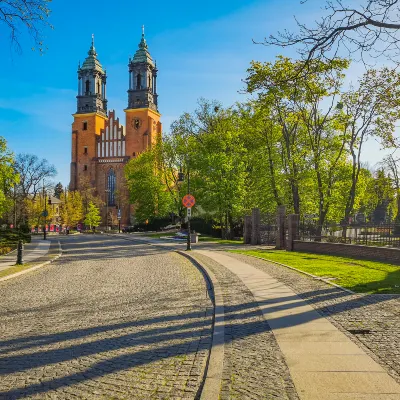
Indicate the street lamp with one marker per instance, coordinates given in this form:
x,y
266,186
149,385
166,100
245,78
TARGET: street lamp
x,y
107,191
181,178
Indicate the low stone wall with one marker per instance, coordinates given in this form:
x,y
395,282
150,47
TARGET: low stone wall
x,y
350,250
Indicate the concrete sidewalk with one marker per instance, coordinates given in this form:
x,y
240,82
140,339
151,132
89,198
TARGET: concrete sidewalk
x,y
32,251
323,362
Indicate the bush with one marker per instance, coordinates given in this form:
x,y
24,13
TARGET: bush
x,y
14,237
4,249
154,225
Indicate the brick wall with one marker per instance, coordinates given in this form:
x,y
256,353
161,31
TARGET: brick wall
x,y
350,250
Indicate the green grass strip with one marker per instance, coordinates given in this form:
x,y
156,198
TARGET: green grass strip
x,y
202,238
14,269
361,276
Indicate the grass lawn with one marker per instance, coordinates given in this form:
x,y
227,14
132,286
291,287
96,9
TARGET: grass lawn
x,y
358,275
13,270
220,241
157,235
202,238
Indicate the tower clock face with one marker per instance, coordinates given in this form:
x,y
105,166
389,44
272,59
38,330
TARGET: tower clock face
x,y
136,123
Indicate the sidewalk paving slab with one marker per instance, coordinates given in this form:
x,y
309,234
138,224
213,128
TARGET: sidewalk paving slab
x,y
32,251
324,363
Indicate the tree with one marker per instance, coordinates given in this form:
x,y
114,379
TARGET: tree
x,y
58,190
146,186
33,173
35,207
210,144
93,218
31,15
390,164
170,150
368,28
8,178
299,123
88,195
369,111
71,210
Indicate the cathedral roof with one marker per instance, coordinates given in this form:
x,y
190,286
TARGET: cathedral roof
x,y
142,55
91,62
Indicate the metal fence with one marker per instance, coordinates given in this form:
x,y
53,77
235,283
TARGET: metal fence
x,y
268,228
368,234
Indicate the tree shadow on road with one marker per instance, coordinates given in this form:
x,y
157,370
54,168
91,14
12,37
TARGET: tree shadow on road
x,y
128,344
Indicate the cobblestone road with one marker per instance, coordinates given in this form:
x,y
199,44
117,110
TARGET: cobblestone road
x,y
254,367
108,320
378,314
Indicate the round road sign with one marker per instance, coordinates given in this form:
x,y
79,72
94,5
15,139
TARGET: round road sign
x,y
188,201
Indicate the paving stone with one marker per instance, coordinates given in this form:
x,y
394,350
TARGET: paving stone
x,y
110,319
254,367
378,313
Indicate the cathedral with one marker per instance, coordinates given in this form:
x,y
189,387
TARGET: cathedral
x,y
101,145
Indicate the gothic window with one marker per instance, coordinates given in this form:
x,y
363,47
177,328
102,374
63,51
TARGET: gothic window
x,y
85,168
87,83
98,87
85,126
138,81
149,81
111,186
85,150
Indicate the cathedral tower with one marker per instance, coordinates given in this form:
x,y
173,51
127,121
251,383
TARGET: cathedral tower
x,y
101,145
89,118
143,127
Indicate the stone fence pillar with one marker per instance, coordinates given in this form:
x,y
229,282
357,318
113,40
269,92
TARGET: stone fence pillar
x,y
247,229
280,226
293,229
255,226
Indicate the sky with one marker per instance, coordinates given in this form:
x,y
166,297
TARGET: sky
x,y
202,50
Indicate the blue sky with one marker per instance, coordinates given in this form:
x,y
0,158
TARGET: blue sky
x,y
202,50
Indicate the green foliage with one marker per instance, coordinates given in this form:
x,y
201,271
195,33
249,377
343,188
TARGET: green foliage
x,y
8,177
92,218
297,142
58,190
147,188
71,209
12,237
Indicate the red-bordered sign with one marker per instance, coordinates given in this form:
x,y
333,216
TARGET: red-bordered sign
x,y
188,201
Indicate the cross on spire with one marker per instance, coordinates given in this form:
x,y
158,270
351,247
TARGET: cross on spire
x,y
92,39
142,30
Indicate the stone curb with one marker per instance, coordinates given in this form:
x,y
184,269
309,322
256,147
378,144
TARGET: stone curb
x,y
25,271
303,272
211,386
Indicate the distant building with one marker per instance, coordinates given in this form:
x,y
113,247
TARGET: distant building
x,y
101,145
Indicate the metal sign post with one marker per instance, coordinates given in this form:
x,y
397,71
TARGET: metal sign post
x,y
189,201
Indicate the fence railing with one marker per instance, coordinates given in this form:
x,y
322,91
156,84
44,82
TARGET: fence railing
x,y
368,234
268,228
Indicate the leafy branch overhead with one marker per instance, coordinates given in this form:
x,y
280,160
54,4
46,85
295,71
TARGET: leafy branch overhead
x,y
31,16
356,28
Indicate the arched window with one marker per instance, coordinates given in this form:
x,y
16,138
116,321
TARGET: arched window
x,y
98,87
139,81
149,82
111,186
87,86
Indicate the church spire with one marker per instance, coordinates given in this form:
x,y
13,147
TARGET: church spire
x,y
142,91
92,84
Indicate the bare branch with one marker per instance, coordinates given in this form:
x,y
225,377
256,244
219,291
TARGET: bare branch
x,y
371,29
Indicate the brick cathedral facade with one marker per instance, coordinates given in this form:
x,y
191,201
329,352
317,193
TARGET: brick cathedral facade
x,y
101,145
